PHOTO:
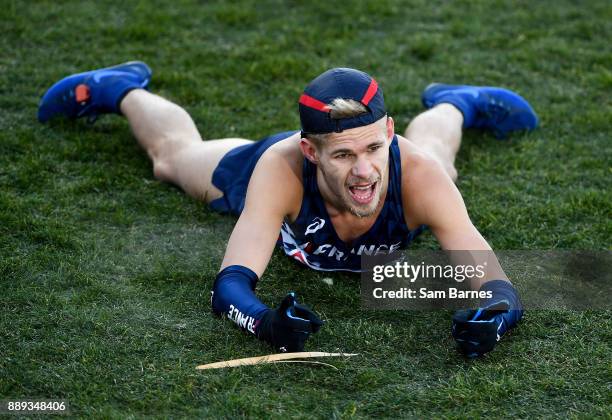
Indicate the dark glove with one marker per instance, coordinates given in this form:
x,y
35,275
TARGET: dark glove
x,y
288,327
478,331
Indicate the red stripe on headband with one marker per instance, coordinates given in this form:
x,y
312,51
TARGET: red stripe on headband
x,y
311,102
367,97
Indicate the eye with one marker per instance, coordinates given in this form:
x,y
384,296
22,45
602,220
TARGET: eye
x,y
375,148
341,156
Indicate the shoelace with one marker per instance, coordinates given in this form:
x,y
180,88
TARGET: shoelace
x,y
91,118
495,113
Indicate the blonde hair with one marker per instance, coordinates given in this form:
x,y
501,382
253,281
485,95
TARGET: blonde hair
x,y
339,108
346,108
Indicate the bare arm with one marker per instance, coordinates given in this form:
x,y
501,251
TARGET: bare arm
x,y
435,201
272,193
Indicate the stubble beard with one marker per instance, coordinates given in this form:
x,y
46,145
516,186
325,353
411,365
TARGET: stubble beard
x,y
362,213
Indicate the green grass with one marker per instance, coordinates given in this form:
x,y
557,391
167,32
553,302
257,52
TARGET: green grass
x,y
106,274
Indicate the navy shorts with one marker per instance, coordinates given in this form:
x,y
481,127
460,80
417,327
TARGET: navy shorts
x,y
234,171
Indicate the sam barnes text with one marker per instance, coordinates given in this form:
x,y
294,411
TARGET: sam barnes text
x,y
424,293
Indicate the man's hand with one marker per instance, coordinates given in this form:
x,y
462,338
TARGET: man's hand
x,y
288,327
478,331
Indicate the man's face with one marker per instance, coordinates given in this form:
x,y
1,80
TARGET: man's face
x,y
353,166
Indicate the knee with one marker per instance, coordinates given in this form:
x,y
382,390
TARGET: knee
x,y
163,170
164,158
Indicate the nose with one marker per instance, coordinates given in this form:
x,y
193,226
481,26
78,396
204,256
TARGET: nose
x,y
362,168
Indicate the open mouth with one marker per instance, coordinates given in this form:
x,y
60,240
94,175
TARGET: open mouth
x,y
363,193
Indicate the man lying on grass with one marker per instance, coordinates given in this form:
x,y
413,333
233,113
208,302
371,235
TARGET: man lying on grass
x,y
344,184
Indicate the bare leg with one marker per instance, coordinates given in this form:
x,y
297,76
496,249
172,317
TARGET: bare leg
x,y
169,136
438,132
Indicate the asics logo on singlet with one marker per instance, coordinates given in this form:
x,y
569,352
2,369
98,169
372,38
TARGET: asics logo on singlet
x,y
316,224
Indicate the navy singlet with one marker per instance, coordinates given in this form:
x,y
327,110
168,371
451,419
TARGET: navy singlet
x,y
311,239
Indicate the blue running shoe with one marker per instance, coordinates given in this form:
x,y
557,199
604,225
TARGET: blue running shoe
x,y
94,92
496,109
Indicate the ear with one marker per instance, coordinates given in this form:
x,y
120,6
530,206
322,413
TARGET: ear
x,y
309,150
390,128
